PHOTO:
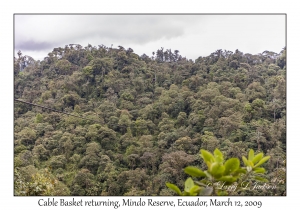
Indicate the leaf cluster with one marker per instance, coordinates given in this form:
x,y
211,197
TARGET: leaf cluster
x,y
220,171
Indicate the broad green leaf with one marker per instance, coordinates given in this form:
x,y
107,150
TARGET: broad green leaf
x,y
218,156
189,183
258,157
185,193
208,165
194,171
231,165
251,154
251,163
174,188
208,175
262,161
239,171
228,179
207,156
217,170
246,163
195,190
261,179
259,170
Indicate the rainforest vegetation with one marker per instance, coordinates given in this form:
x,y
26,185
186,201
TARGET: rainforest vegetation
x,y
144,120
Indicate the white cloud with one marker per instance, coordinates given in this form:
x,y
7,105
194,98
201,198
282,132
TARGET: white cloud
x,y
192,35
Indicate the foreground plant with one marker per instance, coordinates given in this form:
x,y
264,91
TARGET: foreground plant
x,y
222,176
41,184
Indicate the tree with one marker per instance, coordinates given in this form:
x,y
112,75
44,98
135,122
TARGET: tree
x,y
91,158
63,67
58,162
83,183
254,91
101,65
173,163
281,61
41,152
27,136
185,144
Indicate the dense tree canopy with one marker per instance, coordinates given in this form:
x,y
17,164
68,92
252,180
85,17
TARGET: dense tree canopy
x,y
144,119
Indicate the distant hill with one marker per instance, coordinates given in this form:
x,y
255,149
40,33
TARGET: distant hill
x,y
144,118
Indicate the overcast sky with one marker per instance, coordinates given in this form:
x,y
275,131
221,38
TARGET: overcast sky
x,y
192,35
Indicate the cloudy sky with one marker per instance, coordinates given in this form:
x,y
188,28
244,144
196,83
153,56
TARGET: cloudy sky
x,y
192,35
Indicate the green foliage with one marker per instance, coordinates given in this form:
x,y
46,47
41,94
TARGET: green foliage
x,y
63,67
254,161
40,184
148,117
174,188
228,173
88,70
194,171
39,118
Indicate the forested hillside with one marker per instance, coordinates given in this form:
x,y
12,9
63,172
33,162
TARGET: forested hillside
x,y
144,118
